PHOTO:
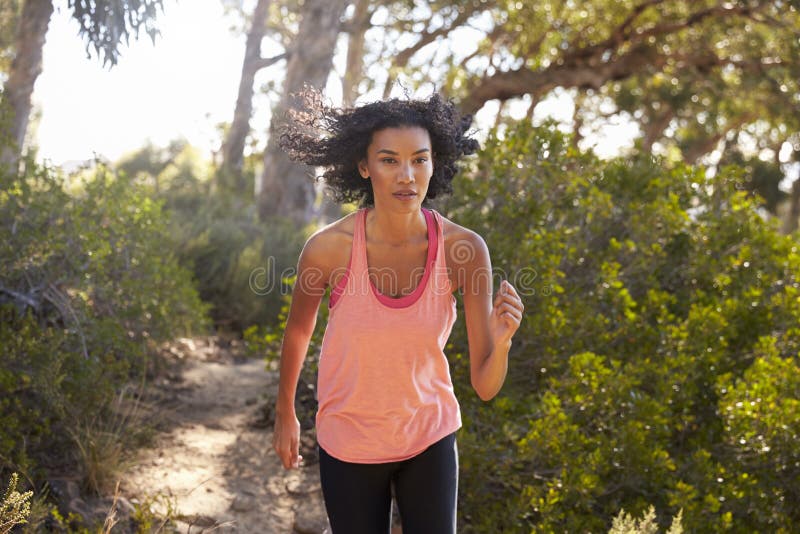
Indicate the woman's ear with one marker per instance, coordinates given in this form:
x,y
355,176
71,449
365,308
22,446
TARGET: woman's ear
x,y
362,169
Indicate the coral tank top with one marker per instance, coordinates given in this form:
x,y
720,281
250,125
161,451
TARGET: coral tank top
x,y
384,388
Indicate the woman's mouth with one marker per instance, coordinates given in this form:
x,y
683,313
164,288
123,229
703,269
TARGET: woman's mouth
x,y
405,195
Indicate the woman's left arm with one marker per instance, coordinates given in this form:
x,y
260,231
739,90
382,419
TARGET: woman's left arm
x,y
491,320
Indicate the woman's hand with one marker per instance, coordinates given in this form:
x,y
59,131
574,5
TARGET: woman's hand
x,y
286,440
506,314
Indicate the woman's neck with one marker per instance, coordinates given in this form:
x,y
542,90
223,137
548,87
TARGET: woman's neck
x,y
395,228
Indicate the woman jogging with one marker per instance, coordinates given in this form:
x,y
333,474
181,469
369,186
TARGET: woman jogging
x,y
387,414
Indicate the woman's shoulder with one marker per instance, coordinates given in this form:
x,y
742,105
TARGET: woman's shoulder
x,y
329,244
455,233
338,230
465,251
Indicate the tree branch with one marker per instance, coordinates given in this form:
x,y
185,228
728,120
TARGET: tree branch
x,y
584,68
402,58
624,28
692,20
265,62
511,84
22,297
492,36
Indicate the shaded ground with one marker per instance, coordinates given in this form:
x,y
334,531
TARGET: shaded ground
x,y
214,463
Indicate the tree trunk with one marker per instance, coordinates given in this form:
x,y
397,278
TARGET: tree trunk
x,y
354,72
705,146
233,148
654,130
285,186
355,52
25,68
702,147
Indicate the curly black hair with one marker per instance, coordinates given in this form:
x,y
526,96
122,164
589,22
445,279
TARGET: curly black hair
x,y
337,139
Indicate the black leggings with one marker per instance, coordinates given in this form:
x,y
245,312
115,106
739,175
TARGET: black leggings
x,y
358,496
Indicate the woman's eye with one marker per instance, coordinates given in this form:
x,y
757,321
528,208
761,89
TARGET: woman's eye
x,y
422,160
388,160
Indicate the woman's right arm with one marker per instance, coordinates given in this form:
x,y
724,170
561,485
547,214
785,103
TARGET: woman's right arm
x,y
312,278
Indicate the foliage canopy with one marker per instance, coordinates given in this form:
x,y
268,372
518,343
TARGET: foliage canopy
x,y
657,363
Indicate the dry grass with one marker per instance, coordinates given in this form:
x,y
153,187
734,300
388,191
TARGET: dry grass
x,y
102,446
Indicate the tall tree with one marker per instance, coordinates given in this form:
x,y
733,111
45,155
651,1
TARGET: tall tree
x,y
285,187
104,25
692,60
357,30
15,105
233,147
692,73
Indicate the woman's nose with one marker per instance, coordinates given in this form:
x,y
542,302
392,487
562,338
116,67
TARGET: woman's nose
x,y
406,174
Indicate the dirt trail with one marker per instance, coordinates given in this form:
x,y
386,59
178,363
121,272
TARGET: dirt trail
x,y
214,461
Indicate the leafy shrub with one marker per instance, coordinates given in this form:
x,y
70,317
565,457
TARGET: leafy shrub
x,y
15,507
656,300
265,341
88,286
238,261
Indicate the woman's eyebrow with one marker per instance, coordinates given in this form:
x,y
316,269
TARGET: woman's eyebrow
x,y
393,153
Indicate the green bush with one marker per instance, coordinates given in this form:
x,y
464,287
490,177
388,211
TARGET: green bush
x,y
657,361
238,261
88,287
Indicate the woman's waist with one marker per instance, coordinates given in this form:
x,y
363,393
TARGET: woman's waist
x,y
389,418
380,397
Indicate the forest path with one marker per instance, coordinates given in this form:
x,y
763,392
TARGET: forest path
x,y
212,460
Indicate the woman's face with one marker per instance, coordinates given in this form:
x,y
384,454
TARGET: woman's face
x,y
400,165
